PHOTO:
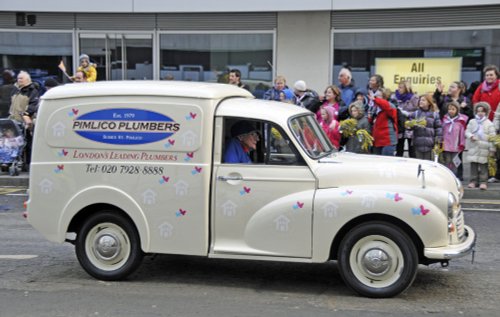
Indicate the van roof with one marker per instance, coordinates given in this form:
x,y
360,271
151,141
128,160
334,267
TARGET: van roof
x,y
201,90
266,110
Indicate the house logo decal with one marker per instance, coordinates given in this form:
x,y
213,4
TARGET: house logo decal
x,y
281,223
58,129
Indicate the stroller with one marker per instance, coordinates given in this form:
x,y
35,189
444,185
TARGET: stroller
x,y
12,145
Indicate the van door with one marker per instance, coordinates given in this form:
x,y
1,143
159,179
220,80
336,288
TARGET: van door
x,y
263,208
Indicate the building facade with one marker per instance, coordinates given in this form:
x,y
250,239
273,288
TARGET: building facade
x,y
200,40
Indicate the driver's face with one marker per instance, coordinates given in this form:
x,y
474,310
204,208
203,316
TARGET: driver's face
x,y
250,140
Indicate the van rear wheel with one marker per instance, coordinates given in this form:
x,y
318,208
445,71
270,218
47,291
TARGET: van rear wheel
x,y
377,259
108,246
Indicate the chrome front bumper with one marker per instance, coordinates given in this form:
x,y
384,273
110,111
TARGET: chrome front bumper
x,y
455,250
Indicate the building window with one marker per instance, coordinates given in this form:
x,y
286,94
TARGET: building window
x,y
360,49
37,53
119,56
208,57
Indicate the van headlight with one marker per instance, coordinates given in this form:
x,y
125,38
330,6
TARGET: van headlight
x,y
453,206
460,187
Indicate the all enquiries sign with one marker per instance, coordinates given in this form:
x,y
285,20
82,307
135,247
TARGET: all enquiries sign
x,y
423,73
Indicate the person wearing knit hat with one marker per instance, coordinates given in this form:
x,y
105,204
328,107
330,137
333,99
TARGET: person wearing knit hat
x,y
244,139
50,83
300,86
478,145
87,68
286,95
84,56
306,98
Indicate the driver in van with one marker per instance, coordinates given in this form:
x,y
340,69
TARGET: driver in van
x,y
244,139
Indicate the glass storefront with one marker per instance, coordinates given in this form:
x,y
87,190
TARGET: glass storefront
x,y
119,56
38,53
360,50
208,57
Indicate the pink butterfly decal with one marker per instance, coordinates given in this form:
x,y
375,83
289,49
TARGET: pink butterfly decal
x,y
193,115
247,189
397,197
423,211
300,204
75,111
181,212
165,178
198,169
190,154
172,142
60,167
349,192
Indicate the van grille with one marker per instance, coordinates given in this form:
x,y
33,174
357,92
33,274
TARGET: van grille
x,y
459,222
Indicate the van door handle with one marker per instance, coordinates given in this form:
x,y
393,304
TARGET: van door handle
x,y
229,178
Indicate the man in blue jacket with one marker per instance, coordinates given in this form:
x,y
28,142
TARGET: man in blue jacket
x,y
244,139
348,91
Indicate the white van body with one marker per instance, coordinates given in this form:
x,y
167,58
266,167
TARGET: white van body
x,y
137,168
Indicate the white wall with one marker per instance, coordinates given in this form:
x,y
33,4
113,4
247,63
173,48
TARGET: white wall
x,y
230,5
303,48
120,6
398,4
159,6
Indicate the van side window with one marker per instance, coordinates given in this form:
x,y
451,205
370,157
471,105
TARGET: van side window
x,y
273,147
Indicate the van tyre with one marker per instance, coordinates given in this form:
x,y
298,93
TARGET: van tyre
x,y
108,246
377,259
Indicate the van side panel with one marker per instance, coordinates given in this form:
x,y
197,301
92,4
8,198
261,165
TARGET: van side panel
x,y
145,155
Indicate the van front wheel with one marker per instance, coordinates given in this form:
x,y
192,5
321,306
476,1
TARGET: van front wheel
x,y
377,259
108,246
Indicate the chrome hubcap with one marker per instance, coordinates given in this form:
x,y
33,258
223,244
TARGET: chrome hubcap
x,y
376,262
107,246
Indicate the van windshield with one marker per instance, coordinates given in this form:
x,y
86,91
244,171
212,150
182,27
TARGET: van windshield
x,y
310,136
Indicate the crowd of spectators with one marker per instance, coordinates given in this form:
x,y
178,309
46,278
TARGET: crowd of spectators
x,y
437,125
20,98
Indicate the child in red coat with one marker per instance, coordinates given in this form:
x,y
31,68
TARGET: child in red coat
x,y
384,120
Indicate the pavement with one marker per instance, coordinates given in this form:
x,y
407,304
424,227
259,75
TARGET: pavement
x,y
22,180
492,194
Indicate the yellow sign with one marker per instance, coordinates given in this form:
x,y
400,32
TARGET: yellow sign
x,y
423,73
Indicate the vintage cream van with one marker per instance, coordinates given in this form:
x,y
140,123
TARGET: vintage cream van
x,y
125,169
